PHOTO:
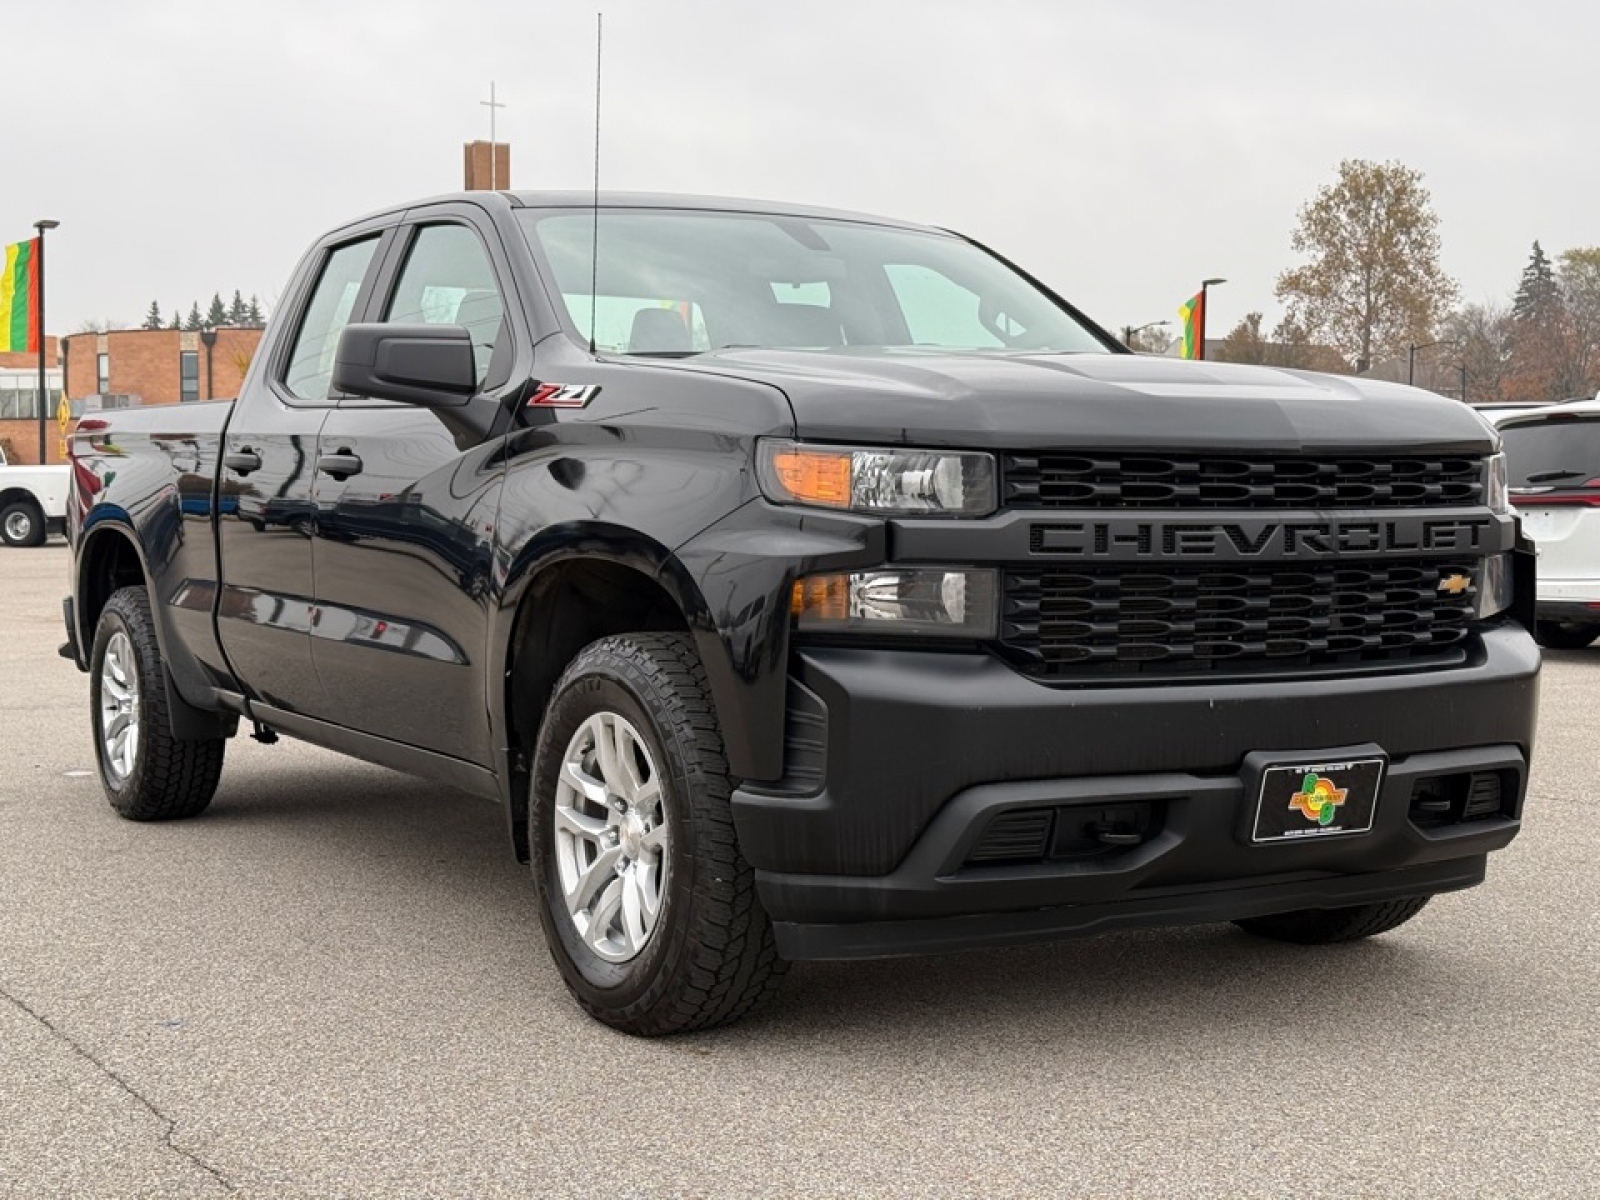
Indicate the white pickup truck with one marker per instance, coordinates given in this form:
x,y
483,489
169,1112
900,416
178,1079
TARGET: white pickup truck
x,y
33,502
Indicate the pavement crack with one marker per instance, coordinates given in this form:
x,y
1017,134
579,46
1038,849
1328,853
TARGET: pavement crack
x,y
67,1040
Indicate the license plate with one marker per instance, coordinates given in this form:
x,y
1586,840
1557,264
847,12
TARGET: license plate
x,y
1312,800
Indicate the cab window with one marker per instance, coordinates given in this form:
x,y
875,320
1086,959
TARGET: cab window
x,y
447,280
310,372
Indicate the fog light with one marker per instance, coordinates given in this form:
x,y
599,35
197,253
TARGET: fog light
x,y
922,602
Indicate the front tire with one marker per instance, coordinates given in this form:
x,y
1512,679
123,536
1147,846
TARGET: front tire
x,y
22,524
1564,635
148,774
1326,926
648,907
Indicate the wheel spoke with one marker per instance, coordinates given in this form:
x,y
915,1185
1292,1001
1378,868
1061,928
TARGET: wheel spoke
x,y
634,928
611,803
593,878
605,914
590,788
579,824
118,723
605,748
648,799
113,687
627,761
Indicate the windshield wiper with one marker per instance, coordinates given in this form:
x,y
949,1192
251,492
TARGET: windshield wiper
x,y
1554,476
661,353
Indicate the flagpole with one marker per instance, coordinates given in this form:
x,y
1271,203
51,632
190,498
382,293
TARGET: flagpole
x,y
1200,332
44,451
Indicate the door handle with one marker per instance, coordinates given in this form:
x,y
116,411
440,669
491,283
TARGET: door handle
x,y
242,461
341,465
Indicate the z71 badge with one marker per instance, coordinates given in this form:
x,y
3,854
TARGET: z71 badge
x,y
563,395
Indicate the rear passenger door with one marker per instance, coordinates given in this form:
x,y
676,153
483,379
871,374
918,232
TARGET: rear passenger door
x,y
405,513
265,514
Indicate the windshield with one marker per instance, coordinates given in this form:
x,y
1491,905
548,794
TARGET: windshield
x,y
1552,453
682,282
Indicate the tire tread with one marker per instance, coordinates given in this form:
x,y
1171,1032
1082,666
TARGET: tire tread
x,y
732,965
1328,926
174,778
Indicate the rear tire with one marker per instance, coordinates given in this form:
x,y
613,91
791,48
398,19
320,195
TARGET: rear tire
x,y
22,524
148,774
649,909
1325,926
1564,635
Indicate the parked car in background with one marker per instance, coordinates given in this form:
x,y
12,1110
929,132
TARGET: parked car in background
x,y
1553,459
33,502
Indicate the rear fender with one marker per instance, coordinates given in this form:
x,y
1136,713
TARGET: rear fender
x,y
100,568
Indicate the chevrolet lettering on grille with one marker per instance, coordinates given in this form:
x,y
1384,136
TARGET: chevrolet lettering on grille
x,y
1134,539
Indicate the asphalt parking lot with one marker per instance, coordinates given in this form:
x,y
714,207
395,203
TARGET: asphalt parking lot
x,y
334,984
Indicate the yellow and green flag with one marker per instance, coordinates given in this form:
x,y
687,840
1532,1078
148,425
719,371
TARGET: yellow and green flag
x,y
19,297
1193,312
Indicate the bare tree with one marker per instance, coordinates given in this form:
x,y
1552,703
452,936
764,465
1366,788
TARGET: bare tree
x,y
1579,273
1373,284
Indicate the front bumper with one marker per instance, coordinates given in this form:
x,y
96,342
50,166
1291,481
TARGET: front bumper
x,y
908,758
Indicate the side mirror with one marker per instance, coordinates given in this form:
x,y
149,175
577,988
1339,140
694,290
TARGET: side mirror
x,y
427,365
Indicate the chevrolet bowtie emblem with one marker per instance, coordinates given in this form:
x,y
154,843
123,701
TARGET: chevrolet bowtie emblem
x,y
1455,584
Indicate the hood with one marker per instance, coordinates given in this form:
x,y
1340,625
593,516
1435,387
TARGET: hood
x,y
1098,401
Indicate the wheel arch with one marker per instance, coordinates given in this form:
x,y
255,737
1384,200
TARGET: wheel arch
x,y
16,494
107,557
556,604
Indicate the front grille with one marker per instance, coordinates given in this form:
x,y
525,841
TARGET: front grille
x,y
1189,620
1159,481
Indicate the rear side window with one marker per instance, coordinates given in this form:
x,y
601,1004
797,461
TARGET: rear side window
x,y
447,280
310,373
1562,453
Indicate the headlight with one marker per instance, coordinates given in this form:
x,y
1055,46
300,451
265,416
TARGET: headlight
x,y
919,601
1494,490
1494,585
891,482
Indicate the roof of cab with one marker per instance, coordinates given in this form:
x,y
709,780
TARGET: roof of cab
x,y
664,201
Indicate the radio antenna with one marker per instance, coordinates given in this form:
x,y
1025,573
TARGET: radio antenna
x,y
594,241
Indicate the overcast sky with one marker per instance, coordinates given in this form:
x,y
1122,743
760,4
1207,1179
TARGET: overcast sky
x,y
1121,150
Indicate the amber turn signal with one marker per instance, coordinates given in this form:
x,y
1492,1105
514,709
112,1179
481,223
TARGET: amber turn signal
x,y
814,476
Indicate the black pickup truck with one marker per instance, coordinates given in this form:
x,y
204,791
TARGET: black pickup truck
x,y
810,585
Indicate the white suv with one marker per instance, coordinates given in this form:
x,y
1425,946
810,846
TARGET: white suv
x,y
1553,459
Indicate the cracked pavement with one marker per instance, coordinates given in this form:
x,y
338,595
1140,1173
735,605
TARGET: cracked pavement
x,y
333,984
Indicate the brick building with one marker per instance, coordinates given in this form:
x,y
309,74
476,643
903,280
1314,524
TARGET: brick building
x,y
19,413
128,367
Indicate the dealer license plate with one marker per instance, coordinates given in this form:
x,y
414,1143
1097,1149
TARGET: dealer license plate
x,y
1311,800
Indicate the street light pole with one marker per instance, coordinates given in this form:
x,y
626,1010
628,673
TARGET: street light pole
x,y
1200,333
41,226
1129,332
1411,356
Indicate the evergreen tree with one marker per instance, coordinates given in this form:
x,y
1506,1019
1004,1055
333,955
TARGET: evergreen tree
x,y
177,320
194,324
253,314
152,319
1537,294
236,310
217,315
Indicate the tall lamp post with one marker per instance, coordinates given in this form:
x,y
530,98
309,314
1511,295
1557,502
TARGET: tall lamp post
x,y
1200,334
1411,356
41,226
